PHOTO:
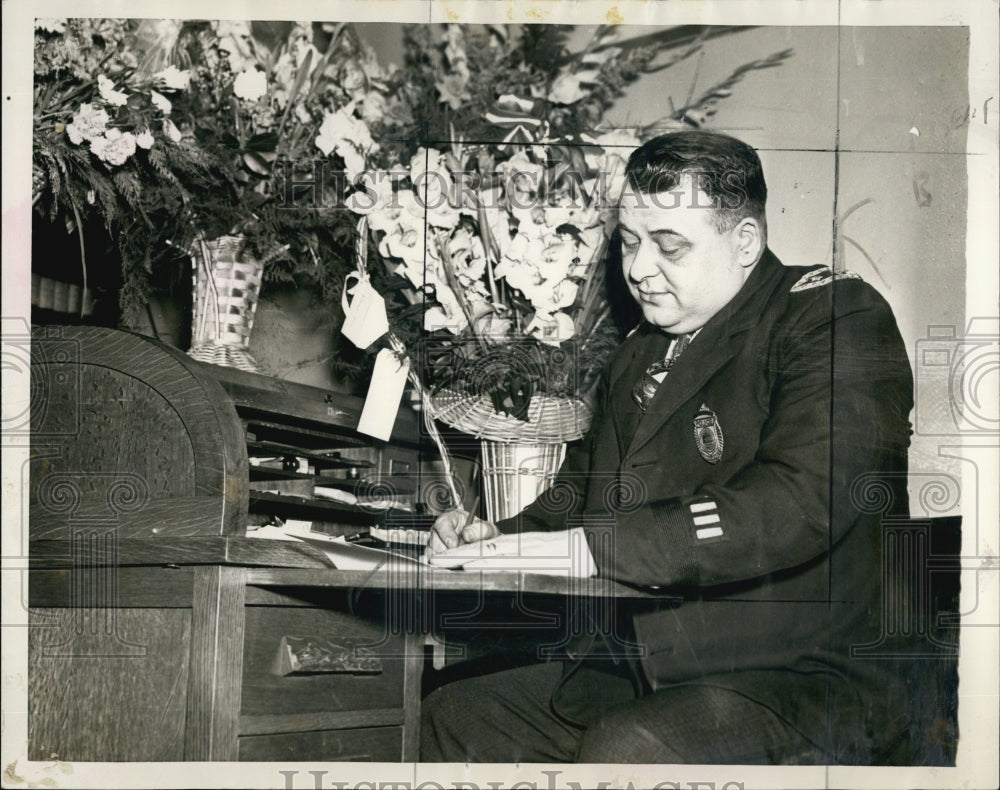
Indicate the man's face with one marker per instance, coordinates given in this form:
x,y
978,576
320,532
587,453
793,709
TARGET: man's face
x,y
678,266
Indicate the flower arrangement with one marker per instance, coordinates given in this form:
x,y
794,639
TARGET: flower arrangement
x,y
278,102
506,278
170,134
106,150
495,243
265,95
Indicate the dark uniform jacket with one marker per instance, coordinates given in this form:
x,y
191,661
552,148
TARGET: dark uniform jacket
x,y
754,486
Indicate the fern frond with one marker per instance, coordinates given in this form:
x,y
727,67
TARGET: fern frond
x,y
128,186
158,161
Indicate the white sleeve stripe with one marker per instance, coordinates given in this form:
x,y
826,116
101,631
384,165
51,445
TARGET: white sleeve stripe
x,y
711,518
709,532
701,507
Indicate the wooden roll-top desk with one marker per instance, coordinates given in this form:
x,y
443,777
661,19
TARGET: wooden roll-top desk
x,y
161,628
150,637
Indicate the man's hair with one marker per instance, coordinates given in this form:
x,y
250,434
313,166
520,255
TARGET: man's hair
x,y
727,170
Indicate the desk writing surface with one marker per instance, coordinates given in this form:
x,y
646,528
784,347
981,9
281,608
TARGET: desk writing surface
x,y
435,580
283,563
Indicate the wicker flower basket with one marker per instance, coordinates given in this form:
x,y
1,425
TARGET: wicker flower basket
x,y
520,458
549,420
226,287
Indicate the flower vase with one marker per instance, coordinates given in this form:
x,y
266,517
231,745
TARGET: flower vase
x,y
520,458
226,286
515,473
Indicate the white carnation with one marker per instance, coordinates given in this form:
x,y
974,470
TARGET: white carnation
x,y
88,123
114,147
107,90
250,85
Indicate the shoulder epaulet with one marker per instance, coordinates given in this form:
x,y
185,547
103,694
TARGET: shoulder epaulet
x,y
820,277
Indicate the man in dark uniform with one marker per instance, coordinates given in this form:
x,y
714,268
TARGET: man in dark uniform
x,y
749,419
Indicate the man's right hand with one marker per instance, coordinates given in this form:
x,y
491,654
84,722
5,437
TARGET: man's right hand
x,y
450,530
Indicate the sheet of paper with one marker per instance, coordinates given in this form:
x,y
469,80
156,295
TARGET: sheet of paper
x,y
347,556
415,537
558,553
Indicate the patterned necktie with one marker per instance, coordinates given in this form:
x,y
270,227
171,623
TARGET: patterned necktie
x,y
645,387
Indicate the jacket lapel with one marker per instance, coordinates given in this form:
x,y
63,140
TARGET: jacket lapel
x,y
653,345
717,343
707,353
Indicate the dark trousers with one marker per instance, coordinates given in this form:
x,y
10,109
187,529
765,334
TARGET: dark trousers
x,y
542,713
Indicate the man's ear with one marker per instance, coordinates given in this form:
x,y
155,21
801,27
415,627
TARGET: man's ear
x,y
749,241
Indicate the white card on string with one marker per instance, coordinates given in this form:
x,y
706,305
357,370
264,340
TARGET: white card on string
x,y
384,394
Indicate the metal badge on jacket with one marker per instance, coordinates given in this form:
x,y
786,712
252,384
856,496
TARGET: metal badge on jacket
x,y
708,435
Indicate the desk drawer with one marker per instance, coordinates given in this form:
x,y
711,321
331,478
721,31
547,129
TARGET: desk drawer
x,y
266,692
370,744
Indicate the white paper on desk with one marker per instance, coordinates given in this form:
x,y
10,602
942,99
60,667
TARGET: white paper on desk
x,y
561,553
411,537
352,557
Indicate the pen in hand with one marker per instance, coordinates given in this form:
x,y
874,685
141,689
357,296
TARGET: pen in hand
x,y
444,538
469,518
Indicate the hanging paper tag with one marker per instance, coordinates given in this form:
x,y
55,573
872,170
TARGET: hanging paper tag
x,y
384,394
365,320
